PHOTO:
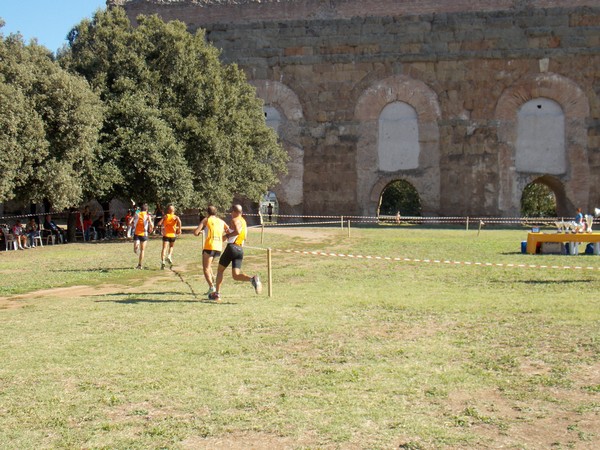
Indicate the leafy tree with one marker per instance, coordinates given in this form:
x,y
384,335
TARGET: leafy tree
x,y
21,140
400,196
179,124
50,125
538,200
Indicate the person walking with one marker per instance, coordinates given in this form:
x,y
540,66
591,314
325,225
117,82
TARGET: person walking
x,y
234,254
171,229
213,243
141,223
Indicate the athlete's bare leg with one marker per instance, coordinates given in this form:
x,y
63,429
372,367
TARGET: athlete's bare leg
x,y
207,268
142,252
163,252
220,272
238,275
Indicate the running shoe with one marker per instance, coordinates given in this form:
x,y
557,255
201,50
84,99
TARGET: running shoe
x,y
214,296
170,261
256,284
210,290
138,267
162,265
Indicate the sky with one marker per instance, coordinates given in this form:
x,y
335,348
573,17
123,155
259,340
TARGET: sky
x,y
47,20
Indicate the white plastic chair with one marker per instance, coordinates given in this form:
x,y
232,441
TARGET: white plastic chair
x,y
10,239
38,238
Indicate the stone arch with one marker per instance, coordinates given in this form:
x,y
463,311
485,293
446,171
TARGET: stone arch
x,y
277,96
426,177
575,105
382,187
563,206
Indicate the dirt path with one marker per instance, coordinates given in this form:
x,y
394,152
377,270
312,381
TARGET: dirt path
x,y
18,301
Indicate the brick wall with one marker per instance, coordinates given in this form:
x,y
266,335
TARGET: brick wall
x,y
468,53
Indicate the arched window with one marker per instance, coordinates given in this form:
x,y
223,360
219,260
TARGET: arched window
x,y
398,139
273,118
541,138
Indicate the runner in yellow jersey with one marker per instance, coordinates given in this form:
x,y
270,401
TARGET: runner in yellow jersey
x,y
171,228
141,223
234,254
215,229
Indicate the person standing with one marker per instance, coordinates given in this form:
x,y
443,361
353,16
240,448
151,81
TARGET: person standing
x,y
141,224
234,254
579,223
171,229
213,244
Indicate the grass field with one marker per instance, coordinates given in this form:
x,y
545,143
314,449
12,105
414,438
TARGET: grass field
x,y
348,354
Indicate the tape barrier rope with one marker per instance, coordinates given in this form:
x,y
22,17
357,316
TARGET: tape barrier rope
x,y
421,219
353,218
428,261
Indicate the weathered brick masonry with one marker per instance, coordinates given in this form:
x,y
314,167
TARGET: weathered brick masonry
x,y
466,67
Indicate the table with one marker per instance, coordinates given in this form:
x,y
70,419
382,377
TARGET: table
x,y
534,238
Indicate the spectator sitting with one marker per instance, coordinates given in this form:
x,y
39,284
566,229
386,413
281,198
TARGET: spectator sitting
x,y
99,228
33,230
50,228
112,228
19,234
123,227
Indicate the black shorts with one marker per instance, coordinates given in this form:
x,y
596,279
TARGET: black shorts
x,y
213,253
169,239
234,255
140,238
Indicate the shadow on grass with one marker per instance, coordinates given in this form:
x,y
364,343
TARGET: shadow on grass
x,y
125,294
549,282
100,269
136,301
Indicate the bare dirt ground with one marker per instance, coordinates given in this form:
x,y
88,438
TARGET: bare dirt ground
x,y
18,301
309,235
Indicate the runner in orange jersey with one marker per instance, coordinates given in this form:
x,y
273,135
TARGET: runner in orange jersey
x,y
234,254
213,243
171,228
141,223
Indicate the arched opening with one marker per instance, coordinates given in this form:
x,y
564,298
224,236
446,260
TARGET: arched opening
x,y
541,137
272,118
283,113
399,196
398,139
538,200
269,207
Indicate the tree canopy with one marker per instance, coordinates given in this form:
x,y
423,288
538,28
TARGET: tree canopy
x,y
179,125
49,122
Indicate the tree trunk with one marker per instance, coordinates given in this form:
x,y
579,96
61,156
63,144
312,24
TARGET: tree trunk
x,y
71,225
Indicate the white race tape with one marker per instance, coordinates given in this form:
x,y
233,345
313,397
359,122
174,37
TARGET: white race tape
x,y
431,261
